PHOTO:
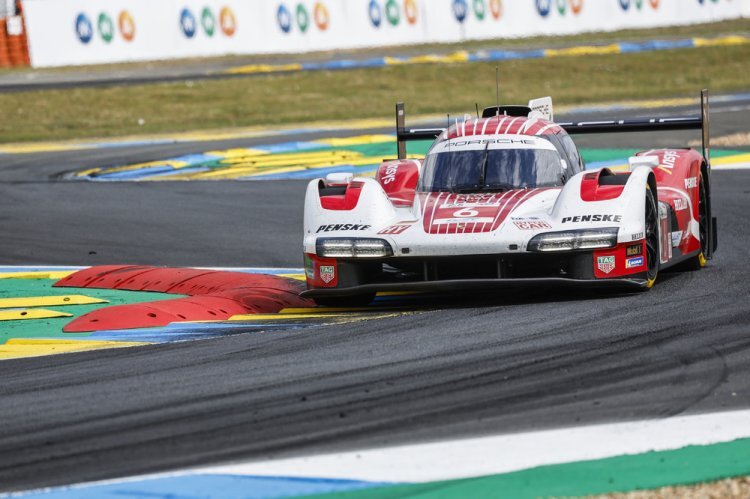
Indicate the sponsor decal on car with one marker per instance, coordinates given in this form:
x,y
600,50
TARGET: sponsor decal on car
x,y
474,142
327,273
634,250
309,268
390,174
680,204
668,161
471,213
632,263
342,227
593,218
676,238
532,225
605,263
637,236
691,183
394,229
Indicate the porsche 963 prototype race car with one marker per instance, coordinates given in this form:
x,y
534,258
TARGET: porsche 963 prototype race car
x,y
505,200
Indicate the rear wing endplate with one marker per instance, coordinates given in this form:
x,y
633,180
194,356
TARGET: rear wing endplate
x,y
404,134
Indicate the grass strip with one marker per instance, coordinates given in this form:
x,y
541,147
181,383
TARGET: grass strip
x,y
689,465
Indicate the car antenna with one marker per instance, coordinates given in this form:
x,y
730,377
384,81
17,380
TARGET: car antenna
x,y
497,90
476,104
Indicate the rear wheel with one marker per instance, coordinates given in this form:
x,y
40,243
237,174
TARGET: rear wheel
x,y
699,261
346,301
652,238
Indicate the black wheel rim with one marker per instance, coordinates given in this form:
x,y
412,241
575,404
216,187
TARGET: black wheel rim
x,y
652,236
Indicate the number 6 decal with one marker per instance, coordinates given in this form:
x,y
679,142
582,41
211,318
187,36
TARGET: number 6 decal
x,y
466,213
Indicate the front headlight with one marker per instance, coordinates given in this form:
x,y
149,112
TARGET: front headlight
x,y
572,240
342,247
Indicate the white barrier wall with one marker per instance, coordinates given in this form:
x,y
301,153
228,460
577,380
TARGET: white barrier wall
x,y
65,32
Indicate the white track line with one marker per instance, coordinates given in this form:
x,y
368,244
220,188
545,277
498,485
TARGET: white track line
x,y
473,457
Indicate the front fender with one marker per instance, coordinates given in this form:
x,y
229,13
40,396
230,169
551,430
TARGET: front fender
x,y
373,209
622,207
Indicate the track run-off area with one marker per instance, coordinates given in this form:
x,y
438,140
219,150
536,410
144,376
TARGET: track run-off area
x,y
522,395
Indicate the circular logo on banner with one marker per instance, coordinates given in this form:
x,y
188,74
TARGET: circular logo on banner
x,y
460,9
479,9
227,21
543,6
625,4
187,23
411,11
208,21
84,28
284,17
376,14
127,26
496,8
106,27
303,18
321,16
392,12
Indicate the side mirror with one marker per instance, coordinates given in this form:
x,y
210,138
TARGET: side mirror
x,y
338,179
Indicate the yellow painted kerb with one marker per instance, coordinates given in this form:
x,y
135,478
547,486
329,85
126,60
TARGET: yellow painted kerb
x,y
48,301
31,314
18,348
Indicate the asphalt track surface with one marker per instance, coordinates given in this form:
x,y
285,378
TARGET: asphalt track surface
x,y
461,366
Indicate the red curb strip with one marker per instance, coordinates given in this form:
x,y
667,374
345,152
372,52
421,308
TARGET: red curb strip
x,y
213,295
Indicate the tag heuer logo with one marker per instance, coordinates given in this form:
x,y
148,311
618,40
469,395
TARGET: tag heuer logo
x,y
606,263
328,272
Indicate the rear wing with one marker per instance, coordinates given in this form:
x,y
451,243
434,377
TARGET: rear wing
x,y
701,122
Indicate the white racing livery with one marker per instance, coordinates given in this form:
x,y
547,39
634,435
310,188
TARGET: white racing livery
x,y
503,201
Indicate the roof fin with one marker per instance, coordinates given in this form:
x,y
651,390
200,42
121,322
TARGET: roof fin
x,y
542,108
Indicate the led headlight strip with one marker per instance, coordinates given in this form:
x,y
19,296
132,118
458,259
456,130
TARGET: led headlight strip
x,y
572,240
344,247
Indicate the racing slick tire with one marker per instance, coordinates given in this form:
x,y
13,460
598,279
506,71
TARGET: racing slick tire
x,y
698,261
346,301
651,230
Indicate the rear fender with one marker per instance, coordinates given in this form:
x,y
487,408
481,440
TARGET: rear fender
x,y
678,177
399,180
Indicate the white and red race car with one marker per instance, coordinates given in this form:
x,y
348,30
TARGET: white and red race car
x,y
505,200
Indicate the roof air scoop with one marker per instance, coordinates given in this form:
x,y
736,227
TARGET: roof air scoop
x,y
516,111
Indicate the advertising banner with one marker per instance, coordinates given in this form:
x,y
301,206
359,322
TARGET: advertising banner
x,y
69,32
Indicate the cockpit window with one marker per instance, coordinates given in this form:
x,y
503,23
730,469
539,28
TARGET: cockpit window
x,y
490,170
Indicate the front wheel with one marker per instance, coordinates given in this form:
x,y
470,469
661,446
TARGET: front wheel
x,y
651,231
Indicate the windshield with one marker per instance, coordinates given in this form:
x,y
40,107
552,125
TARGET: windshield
x,y
491,170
